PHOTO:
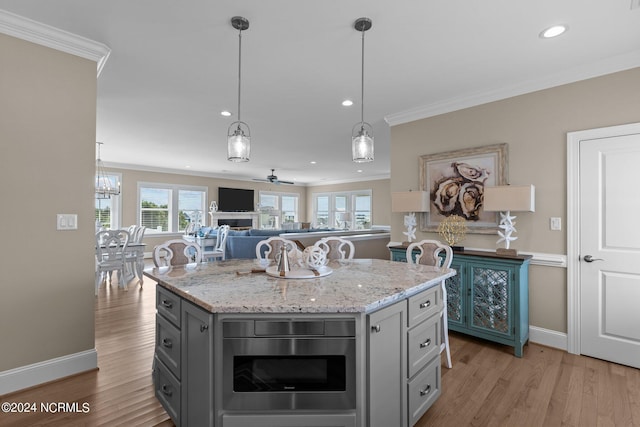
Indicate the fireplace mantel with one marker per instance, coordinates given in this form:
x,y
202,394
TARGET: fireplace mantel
x,y
215,216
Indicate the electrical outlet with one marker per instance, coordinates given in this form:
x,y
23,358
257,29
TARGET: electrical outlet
x,y
555,223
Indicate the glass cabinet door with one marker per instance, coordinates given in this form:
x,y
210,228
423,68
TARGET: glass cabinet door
x,y
490,299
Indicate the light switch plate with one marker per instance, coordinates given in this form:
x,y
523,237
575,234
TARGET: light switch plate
x,y
555,223
67,222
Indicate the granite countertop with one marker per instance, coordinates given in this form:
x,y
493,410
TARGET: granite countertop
x,y
354,286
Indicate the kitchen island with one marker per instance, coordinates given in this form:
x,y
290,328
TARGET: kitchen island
x,y
356,347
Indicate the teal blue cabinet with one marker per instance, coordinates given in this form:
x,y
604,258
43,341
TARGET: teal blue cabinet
x,y
489,297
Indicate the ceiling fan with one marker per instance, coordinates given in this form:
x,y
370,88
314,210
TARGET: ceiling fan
x,y
273,179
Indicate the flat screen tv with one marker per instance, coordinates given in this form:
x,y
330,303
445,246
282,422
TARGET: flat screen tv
x,y
235,200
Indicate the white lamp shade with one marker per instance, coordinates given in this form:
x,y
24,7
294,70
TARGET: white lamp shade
x,y
510,198
410,201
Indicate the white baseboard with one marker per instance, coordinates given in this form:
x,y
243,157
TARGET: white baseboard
x,y
548,337
48,370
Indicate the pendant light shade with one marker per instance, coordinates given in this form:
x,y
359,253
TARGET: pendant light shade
x,y
239,134
362,133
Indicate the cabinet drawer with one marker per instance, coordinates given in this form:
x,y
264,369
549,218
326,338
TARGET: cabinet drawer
x,y
423,390
424,305
168,344
167,390
424,343
168,304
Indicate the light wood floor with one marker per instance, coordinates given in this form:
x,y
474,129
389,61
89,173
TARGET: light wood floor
x,y
487,386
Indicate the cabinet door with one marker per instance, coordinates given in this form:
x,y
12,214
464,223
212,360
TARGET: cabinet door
x,y
197,366
456,307
387,366
491,298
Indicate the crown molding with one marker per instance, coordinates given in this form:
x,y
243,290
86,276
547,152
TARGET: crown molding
x,y
572,75
46,35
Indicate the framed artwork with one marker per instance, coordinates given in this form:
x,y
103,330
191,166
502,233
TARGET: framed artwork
x,y
455,181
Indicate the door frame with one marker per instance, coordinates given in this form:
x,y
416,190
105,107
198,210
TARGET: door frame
x,y
573,222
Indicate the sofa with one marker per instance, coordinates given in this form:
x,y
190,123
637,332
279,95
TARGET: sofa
x,y
242,243
369,243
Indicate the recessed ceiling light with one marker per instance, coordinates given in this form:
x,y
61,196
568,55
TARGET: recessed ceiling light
x,y
225,113
554,31
313,162
359,171
347,103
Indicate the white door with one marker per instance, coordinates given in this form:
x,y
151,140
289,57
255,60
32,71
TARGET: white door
x,y
610,248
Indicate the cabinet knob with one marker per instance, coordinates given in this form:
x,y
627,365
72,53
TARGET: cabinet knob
x,y
426,304
425,344
203,327
167,304
166,390
167,343
426,391
375,328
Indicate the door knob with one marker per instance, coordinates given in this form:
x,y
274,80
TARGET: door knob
x,y
589,258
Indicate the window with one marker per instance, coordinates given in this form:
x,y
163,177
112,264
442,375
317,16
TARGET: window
x,y
107,211
170,208
278,208
350,210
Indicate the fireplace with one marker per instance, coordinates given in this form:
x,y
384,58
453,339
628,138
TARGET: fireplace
x,y
236,223
234,219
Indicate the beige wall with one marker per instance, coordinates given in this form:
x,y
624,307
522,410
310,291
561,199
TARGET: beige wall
x,y
47,161
535,126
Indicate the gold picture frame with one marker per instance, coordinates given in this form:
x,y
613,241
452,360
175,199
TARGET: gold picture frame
x,y
455,181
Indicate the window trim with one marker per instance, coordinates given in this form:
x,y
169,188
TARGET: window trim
x,y
351,208
279,195
174,217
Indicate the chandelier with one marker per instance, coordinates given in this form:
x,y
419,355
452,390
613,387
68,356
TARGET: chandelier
x,y
104,187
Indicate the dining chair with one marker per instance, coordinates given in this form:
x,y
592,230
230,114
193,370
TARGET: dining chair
x,y
176,252
219,250
111,245
269,248
134,257
336,247
429,254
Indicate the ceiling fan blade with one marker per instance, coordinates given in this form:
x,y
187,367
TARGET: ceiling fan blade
x,y
286,182
261,180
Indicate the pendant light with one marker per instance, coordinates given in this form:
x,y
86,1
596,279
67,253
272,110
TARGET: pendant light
x,y
238,134
104,187
362,133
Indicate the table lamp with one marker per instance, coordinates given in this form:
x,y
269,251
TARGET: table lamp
x,y
505,199
344,217
411,202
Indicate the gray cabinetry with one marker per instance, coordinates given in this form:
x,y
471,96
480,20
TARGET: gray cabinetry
x,y
197,366
403,368
386,371
183,362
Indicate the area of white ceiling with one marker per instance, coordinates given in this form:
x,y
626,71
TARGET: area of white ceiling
x,y
173,68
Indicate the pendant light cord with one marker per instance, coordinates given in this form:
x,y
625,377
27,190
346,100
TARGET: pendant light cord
x,y
239,69
362,83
